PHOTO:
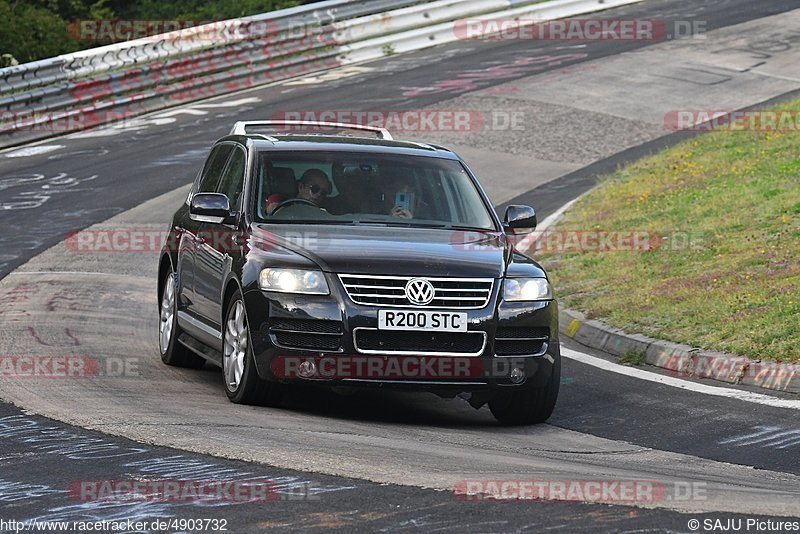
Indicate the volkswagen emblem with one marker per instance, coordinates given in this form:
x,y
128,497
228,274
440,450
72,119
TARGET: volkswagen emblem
x,y
419,291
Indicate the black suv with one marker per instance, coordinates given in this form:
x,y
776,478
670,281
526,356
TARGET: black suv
x,y
332,254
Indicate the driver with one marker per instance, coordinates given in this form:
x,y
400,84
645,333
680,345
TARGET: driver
x,y
314,186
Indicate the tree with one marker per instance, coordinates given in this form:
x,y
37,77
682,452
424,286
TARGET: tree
x,y
38,29
29,32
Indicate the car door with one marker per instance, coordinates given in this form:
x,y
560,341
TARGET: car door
x,y
218,241
189,234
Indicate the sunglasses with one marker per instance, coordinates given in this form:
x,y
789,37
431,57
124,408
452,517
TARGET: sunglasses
x,y
317,189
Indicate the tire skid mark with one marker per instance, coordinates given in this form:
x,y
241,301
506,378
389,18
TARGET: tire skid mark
x,y
70,335
32,331
34,335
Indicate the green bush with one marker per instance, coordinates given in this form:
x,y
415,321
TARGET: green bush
x,y
38,29
29,32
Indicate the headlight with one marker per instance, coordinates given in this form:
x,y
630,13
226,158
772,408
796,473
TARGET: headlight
x,y
293,281
517,289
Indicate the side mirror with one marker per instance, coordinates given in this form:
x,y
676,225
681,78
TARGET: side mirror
x,y
211,207
518,217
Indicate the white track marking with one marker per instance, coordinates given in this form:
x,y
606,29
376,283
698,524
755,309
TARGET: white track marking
x,y
671,381
533,237
181,111
229,103
328,76
32,151
164,120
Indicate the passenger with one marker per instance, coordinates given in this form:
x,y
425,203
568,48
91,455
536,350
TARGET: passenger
x,y
403,199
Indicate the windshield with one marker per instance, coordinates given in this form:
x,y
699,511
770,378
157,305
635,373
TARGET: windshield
x,y
361,188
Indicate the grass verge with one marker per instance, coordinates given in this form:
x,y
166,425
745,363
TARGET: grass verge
x,y
720,268
633,357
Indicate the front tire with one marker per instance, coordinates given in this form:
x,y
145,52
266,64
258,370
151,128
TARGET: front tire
x,y
242,383
527,405
172,352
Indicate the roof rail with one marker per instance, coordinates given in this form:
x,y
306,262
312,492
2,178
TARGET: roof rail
x,y
240,127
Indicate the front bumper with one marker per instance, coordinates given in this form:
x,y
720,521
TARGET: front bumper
x,y
339,359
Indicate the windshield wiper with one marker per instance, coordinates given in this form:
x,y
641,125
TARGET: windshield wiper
x,y
400,224
307,221
444,226
475,228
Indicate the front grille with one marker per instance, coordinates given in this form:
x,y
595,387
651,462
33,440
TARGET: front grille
x,y
520,341
463,293
369,340
310,334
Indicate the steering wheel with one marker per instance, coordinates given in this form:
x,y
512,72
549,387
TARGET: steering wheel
x,y
293,201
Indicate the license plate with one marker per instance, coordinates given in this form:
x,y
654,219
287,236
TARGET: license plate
x,y
433,321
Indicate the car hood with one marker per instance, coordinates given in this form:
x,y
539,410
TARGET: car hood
x,y
396,251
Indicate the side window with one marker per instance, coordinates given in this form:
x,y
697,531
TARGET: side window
x,y
213,168
233,177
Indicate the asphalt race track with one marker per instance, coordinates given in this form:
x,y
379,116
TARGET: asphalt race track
x,y
382,460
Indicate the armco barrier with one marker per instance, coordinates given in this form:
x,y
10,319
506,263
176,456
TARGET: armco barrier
x,y
80,90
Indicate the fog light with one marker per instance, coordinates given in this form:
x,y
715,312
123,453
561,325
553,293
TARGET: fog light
x,y
517,375
307,369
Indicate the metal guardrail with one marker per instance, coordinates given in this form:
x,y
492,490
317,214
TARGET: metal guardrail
x,y
76,91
